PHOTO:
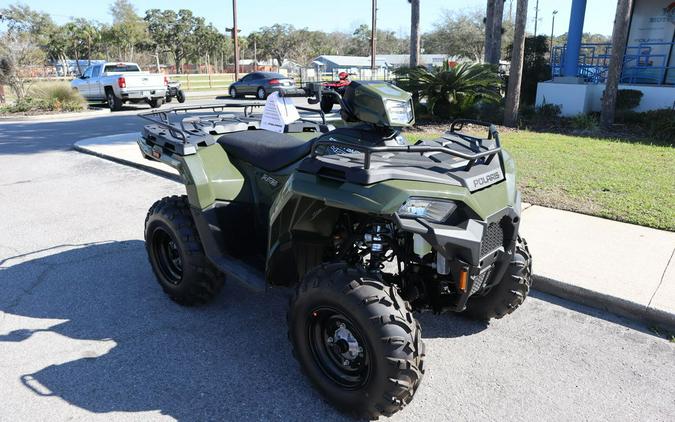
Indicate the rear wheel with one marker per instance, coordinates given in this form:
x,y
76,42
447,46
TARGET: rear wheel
x,y
114,103
168,99
176,254
261,94
510,293
233,92
156,102
356,340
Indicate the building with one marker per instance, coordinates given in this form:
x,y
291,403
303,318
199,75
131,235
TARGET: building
x,y
360,65
580,70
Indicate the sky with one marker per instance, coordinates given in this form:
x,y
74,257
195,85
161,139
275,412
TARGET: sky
x,y
343,15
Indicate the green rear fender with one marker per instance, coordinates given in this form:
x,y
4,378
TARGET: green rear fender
x,y
209,175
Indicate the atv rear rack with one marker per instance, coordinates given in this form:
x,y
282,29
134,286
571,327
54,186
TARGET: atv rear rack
x,y
455,128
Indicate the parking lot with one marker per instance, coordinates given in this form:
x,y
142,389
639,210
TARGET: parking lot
x,y
86,333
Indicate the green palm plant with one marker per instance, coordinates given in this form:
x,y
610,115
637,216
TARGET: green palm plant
x,y
452,91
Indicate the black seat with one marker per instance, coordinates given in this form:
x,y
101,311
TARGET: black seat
x,y
264,149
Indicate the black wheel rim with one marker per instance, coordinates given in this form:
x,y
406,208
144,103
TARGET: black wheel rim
x,y
111,101
338,348
167,256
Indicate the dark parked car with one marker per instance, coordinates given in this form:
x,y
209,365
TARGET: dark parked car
x,y
260,84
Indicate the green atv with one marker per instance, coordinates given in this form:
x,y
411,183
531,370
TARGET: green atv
x,y
366,227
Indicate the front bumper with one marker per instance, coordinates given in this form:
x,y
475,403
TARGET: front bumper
x,y
482,248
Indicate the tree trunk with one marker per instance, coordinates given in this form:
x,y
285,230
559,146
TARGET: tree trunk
x,y
489,16
414,33
619,36
497,18
516,71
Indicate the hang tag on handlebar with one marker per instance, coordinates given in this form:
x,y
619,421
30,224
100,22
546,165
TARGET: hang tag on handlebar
x,y
278,112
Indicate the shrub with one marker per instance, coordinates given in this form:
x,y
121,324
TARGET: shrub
x,y
628,99
452,92
59,95
658,125
549,111
52,96
585,122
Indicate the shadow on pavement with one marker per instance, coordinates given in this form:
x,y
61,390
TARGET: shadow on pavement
x,y
225,361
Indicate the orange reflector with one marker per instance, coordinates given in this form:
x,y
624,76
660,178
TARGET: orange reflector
x,y
463,279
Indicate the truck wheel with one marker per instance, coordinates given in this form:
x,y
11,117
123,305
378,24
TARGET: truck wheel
x,y
509,294
156,102
180,96
176,254
326,104
114,103
356,340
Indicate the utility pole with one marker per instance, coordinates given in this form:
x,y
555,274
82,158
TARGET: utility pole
x,y
555,12
536,17
235,37
373,41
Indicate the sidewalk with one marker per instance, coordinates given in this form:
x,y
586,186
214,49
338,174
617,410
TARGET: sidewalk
x,y
626,269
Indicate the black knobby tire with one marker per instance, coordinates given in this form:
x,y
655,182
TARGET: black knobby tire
x,y
176,254
168,99
393,360
114,103
156,102
180,96
326,104
510,293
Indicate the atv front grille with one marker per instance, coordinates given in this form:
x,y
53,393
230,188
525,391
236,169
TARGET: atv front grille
x,y
493,238
479,281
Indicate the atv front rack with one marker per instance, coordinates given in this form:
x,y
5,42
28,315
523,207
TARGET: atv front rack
x,y
476,144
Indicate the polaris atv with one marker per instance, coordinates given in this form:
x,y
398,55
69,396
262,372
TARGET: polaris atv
x,y
365,227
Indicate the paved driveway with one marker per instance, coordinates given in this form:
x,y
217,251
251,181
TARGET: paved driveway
x,y
85,332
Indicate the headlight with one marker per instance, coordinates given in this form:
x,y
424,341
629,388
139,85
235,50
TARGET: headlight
x,y
399,112
432,210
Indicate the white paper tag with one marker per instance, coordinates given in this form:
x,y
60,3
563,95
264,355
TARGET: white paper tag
x,y
278,112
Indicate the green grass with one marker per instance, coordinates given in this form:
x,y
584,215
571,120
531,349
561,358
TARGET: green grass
x,y
622,181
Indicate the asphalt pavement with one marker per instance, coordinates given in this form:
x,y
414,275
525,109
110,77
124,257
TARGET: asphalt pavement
x,y
87,334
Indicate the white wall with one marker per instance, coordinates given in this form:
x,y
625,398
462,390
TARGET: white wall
x,y
583,98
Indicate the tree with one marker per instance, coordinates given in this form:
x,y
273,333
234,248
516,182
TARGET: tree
x,y
489,21
516,72
21,45
174,32
277,41
128,30
619,36
414,32
536,67
458,33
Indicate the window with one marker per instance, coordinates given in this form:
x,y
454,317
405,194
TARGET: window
x,y
87,72
247,78
121,67
96,72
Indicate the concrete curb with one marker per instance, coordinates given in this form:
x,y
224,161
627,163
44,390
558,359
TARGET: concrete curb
x,y
598,300
594,299
139,166
55,116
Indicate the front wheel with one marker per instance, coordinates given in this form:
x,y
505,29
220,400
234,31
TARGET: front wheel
x,y
176,254
356,340
510,293
180,96
233,92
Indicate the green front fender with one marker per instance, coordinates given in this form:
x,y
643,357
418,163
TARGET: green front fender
x,y
386,197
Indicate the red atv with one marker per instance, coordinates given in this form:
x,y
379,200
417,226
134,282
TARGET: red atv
x,y
332,91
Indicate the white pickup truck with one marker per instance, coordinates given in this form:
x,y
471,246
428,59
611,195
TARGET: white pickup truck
x,y
118,83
